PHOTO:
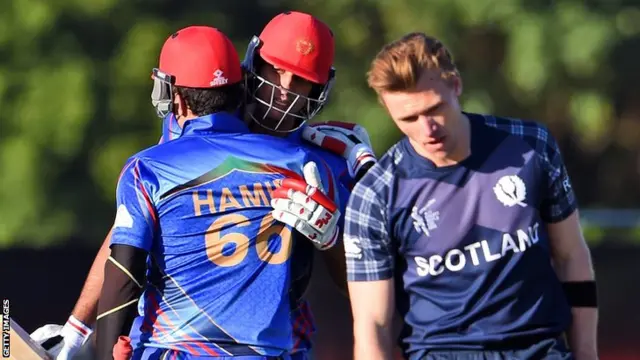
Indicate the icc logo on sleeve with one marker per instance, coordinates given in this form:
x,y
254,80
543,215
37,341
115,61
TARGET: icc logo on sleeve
x,y
510,191
425,220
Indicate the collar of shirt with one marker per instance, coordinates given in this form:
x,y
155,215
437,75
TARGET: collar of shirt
x,y
221,122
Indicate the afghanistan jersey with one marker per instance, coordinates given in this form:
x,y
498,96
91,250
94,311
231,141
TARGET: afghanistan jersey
x,y
171,130
219,264
302,257
467,244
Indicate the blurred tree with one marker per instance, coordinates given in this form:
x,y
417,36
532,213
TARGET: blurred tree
x,y
74,85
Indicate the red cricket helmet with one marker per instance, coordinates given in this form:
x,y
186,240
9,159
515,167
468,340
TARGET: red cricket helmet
x,y
194,57
299,43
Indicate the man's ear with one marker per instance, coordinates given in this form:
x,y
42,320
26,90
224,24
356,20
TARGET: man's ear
x,y
457,85
180,105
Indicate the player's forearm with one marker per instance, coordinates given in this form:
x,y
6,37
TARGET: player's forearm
x,y
124,276
372,341
86,307
574,265
582,335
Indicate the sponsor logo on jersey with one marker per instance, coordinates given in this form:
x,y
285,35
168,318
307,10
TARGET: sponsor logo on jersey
x,y
352,248
477,253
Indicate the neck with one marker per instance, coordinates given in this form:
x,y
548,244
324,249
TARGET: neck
x,y
182,119
461,146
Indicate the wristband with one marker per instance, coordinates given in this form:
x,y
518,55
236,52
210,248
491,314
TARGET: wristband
x,y
76,326
581,293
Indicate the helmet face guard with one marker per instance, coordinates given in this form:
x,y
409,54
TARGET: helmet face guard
x,y
313,103
162,93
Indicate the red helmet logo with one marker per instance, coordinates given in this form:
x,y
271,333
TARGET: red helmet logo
x,y
304,47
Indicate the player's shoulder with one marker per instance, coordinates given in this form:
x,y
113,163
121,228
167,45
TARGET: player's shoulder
x,y
166,159
158,153
140,166
534,133
178,150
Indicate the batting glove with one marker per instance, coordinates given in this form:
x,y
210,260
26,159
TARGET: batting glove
x,y
304,206
350,141
63,342
74,333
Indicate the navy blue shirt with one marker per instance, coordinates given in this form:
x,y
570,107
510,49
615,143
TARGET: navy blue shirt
x,y
466,244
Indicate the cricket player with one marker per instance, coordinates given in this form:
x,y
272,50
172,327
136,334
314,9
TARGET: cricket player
x,y
195,245
468,226
294,86
289,76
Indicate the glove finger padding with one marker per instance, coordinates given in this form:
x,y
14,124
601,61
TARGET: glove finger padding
x,y
63,342
291,206
295,222
306,229
310,193
353,132
306,209
50,338
350,141
312,175
333,144
315,208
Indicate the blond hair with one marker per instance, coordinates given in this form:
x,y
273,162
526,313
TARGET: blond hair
x,y
398,66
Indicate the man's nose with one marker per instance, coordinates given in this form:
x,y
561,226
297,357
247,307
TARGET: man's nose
x,y
285,85
428,126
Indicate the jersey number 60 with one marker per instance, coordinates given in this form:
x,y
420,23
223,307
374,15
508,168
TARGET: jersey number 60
x,y
215,243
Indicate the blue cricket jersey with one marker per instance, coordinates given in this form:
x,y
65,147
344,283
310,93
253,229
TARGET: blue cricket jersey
x,y
466,244
171,130
219,267
302,257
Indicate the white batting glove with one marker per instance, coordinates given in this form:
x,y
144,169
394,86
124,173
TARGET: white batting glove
x,y
63,342
350,141
304,206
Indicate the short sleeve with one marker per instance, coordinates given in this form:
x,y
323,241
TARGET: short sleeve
x,y
368,249
136,218
559,200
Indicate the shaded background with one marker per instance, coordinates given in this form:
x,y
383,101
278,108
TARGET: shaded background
x,y
75,103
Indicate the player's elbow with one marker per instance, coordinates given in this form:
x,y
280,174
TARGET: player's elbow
x,y
123,283
569,251
574,265
372,304
372,335
124,278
